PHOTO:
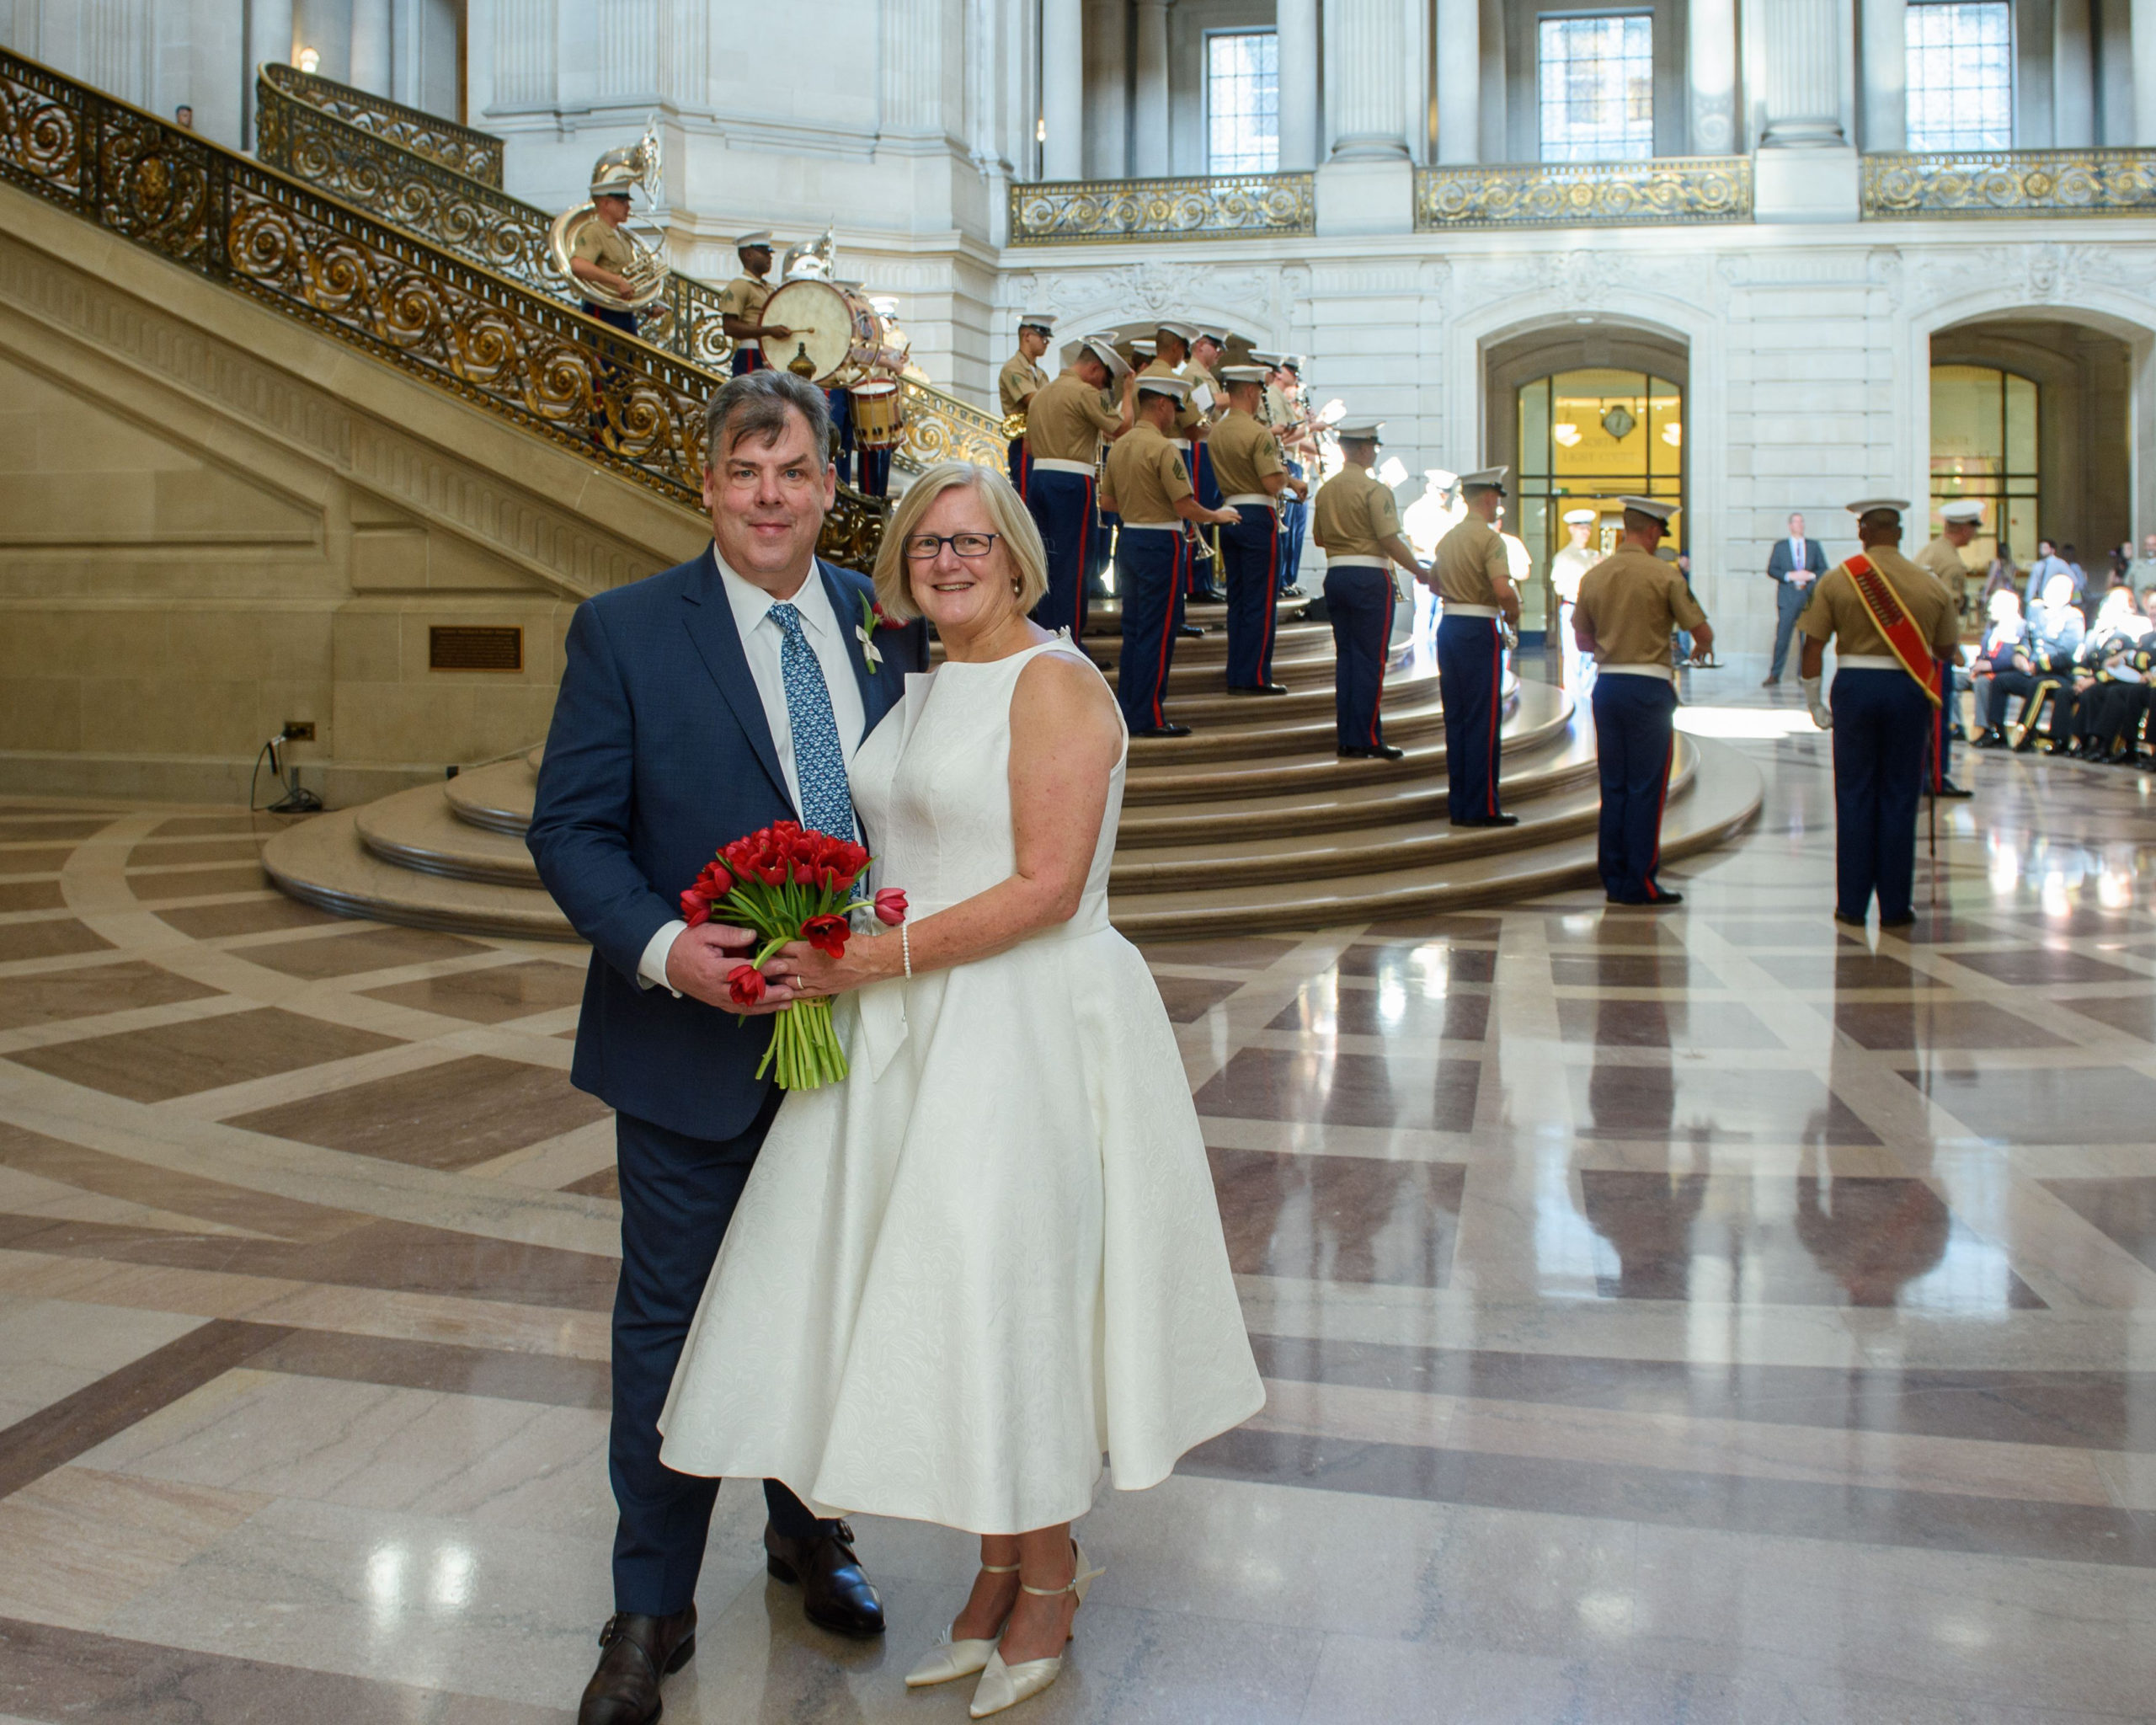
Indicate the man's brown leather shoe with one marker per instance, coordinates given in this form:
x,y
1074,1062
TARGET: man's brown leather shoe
x,y
835,1595
636,1652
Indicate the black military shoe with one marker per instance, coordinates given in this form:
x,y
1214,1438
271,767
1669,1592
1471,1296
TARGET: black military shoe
x,y
1258,688
1164,730
1190,631
636,1652
1947,787
835,1594
1489,820
1381,751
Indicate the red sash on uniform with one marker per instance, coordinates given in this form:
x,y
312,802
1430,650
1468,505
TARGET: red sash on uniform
x,y
1892,620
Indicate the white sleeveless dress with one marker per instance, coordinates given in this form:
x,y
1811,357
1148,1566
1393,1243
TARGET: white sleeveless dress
x,y
994,1252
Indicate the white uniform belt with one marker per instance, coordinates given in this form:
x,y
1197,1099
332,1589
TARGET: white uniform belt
x,y
1241,497
1181,443
1866,661
1454,608
1356,563
1056,464
1153,527
1635,671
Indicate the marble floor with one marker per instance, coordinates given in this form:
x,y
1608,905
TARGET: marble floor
x,y
1706,1317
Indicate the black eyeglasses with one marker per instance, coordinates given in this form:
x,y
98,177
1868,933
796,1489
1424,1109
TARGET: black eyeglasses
x,y
922,547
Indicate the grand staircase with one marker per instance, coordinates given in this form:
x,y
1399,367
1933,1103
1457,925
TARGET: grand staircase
x,y
1251,822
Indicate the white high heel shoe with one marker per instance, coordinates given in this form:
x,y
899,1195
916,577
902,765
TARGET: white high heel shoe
x,y
1003,1686
949,1659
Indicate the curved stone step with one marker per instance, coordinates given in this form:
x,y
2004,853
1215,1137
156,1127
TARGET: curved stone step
x,y
1547,813
1411,710
322,861
418,829
1723,798
496,799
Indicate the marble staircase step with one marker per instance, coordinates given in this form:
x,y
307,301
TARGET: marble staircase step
x,y
420,829
322,861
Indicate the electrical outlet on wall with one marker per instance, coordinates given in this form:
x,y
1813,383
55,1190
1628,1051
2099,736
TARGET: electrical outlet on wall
x,y
299,730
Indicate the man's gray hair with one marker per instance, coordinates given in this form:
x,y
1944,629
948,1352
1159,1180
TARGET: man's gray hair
x,y
756,404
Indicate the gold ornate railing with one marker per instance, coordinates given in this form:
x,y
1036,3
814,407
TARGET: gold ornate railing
x,y
366,167
2010,182
456,325
477,155
1055,212
1668,189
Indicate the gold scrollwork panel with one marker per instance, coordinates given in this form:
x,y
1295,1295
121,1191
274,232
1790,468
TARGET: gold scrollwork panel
x,y
1670,190
2010,182
1252,204
477,155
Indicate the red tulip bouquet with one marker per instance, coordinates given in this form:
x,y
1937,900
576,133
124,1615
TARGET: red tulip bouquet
x,y
789,884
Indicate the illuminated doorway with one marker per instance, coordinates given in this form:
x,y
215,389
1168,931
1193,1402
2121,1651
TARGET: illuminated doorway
x,y
1985,444
1588,437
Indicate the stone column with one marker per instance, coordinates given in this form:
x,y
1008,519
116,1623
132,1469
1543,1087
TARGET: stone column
x,y
1807,166
1459,79
1149,110
1885,29
271,35
1803,75
1107,89
2142,32
1370,50
1295,27
371,46
1711,54
1063,89
2073,75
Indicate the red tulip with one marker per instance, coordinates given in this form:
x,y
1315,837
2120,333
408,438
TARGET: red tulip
x,y
695,908
716,880
745,984
890,907
827,934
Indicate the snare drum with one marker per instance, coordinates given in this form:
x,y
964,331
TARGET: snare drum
x,y
877,413
834,330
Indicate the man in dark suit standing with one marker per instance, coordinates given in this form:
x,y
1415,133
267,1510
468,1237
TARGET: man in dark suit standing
x,y
1793,565
696,707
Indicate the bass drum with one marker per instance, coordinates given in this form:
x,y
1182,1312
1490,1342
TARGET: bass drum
x,y
834,332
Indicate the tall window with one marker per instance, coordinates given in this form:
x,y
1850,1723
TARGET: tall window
x,y
1597,88
1242,102
1961,75
1983,444
1589,438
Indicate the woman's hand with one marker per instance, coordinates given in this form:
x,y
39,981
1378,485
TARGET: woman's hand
x,y
809,974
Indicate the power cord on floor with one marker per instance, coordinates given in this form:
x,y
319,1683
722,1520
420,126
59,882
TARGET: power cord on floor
x,y
296,799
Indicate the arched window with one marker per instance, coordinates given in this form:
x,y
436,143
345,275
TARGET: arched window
x,y
1984,444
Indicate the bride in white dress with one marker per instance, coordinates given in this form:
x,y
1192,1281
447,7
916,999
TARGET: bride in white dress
x,y
994,1251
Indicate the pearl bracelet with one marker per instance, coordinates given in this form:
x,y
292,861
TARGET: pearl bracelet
x,y
905,947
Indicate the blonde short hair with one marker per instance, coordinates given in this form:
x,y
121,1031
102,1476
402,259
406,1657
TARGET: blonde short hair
x,y
1013,521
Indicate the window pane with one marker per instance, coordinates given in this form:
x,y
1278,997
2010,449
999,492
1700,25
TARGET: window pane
x,y
1242,94
1597,88
1961,75
1983,444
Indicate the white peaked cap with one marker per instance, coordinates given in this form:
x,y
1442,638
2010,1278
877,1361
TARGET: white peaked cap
x,y
1579,517
762,237
1660,508
1868,505
1242,374
1176,387
1963,508
1360,431
1488,478
1037,320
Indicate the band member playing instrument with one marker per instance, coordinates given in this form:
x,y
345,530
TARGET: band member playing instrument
x,y
741,303
1357,527
1148,486
1473,576
1893,626
1065,426
1299,448
1246,462
1016,384
1170,353
603,254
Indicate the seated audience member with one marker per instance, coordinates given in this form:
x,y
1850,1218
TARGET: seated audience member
x,y
2056,630
2106,686
2002,653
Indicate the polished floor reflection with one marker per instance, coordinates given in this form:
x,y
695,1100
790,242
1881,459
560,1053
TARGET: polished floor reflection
x,y
1714,1316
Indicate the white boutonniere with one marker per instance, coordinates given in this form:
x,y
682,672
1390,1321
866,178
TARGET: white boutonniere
x,y
873,618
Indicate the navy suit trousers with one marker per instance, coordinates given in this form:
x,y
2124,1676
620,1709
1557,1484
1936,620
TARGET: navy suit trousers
x,y
678,1194
1881,725
1790,600
1360,600
1251,549
1470,680
1635,741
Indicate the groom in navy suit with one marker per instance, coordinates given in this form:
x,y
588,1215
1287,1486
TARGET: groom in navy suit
x,y
696,707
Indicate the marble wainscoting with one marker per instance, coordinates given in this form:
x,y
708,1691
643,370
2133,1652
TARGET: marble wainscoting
x,y
1704,1317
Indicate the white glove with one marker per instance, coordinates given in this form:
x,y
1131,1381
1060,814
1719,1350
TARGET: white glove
x,y
1816,702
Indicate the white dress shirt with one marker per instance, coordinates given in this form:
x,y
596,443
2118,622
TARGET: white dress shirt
x,y
762,641
1799,573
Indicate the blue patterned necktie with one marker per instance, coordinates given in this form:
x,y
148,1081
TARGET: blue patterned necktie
x,y
818,762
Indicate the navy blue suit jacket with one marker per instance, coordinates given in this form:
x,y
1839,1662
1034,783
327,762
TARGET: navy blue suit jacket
x,y
1780,566
659,754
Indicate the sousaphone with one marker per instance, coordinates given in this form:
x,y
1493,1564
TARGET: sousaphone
x,y
636,165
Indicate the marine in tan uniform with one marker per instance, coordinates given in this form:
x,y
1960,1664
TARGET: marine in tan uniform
x,y
1959,521
741,303
1629,606
1472,574
1881,714
1148,486
1357,525
1251,476
1170,357
602,254
1065,426
1016,384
